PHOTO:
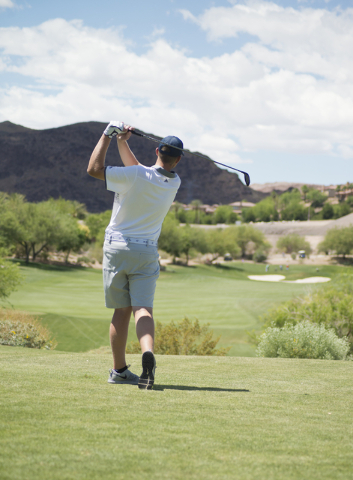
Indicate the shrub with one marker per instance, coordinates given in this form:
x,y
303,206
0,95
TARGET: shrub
x,y
260,255
330,305
303,340
23,330
84,259
183,338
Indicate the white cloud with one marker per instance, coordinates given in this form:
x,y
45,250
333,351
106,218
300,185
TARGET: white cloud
x,y
6,4
291,90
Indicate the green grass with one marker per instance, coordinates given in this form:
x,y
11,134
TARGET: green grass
x,y
71,301
208,418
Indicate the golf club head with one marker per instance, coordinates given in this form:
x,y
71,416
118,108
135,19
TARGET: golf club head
x,y
247,179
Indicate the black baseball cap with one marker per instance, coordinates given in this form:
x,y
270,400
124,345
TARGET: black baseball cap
x,y
167,144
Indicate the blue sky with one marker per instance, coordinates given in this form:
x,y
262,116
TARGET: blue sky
x,y
263,86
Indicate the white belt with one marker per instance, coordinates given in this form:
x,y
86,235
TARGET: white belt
x,y
121,238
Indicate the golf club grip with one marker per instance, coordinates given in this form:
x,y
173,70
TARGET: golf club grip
x,y
136,133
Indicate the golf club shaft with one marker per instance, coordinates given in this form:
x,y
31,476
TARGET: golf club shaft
x,y
246,175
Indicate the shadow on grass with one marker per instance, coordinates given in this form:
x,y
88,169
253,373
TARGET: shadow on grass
x,y
196,389
343,260
228,268
47,266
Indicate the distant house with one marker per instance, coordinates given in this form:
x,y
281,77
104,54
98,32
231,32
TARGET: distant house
x,y
330,191
238,206
343,194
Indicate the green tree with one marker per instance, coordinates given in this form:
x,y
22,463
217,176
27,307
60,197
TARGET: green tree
x,y
293,243
291,206
224,214
338,240
72,236
33,226
170,239
264,211
45,228
196,204
216,243
16,220
71,207
349,200
328,211
10,276
97,223
305,191
176,207
316,198
248,215
192,239
341,210
294,211
245,237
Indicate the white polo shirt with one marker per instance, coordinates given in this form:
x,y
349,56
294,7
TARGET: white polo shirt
x,y
143,196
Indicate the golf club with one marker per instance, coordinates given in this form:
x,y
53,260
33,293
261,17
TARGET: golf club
x,y
246,175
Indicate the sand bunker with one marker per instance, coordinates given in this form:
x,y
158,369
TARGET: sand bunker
x,y
281,278
310,280
267,278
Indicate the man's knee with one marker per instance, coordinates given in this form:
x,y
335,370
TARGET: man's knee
x,y
140,312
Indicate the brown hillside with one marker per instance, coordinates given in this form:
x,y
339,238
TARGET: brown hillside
x,y
51,163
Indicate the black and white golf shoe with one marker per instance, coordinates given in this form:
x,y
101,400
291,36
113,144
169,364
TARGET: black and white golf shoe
x,y
146,379
126,378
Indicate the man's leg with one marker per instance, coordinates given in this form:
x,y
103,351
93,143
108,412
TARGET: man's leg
x,y
144,327
145,333
119,329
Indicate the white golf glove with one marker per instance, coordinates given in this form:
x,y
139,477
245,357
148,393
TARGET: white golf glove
x,y
114,128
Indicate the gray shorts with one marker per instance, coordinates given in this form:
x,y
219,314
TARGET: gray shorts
x,y
130,273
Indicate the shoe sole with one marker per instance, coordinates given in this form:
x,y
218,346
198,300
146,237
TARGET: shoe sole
x,y
122,383
146,380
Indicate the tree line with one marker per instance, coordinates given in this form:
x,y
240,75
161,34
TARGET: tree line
x,y
309,204
30,229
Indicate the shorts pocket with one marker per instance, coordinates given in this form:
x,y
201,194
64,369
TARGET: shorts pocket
x,y
148,263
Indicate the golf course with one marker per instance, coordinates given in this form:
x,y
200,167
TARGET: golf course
x,y
70,301
233,417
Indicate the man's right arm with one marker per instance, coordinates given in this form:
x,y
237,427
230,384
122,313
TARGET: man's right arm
x,y
96,163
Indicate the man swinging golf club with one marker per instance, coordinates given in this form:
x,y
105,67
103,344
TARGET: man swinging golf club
x,y
143,196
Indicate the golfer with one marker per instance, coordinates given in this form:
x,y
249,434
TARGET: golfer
x,y
143,196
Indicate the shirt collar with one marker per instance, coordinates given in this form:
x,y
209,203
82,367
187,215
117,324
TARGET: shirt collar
x,y
165,172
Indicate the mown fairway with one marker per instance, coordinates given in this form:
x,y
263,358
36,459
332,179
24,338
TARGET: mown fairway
x,y
208,418
71,303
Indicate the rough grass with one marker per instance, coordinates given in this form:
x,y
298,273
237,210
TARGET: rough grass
x,y
71,302
208,418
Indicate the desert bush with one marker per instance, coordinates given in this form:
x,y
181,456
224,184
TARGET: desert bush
x,y
23,330
183,338
303,340
260,255
84,259
330,305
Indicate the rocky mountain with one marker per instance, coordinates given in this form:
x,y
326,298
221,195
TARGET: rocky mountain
x,y
51,163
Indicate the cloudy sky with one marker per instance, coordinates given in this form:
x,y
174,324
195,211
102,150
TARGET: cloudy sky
x,y
263,86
